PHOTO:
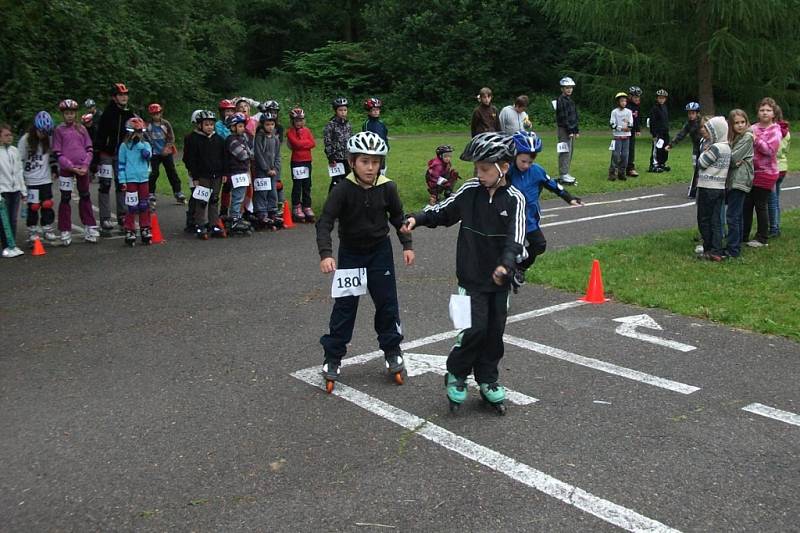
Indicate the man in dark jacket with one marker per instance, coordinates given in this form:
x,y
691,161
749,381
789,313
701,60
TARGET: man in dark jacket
x,y
110,135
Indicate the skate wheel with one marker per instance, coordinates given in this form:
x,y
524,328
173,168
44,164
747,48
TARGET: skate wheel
x,y
329,384
398,378
501,409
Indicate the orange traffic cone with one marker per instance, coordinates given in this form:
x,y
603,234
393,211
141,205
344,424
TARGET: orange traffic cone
x,y
594,292
287,216
158,238
38,247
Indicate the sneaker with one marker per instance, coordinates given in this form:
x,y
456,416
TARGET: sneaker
x,y
8,253
49,234
567,179
106,225
756,244
714,257
632,173
91,234
297,214
612,175
66,238
698,249
180,198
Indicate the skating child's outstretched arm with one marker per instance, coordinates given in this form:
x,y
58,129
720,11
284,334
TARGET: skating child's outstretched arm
x,y
395,210
330,212
556,188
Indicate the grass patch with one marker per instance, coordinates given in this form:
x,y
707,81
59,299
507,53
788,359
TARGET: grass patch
x,y
409,155
757,292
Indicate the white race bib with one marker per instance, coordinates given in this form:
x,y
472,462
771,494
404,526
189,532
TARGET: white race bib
x,y
201,193
33,196
562,148
336,170
611,146
132,199
240,180
65,184
262,184
105,172
349,282
300,173
461,311
660,143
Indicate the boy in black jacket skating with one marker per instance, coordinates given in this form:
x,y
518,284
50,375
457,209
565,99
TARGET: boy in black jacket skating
x,y
365,203
491,236
659,129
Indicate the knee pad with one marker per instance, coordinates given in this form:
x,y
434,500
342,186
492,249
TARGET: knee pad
x,y
35,207
47,204
105,186
143,206
84,194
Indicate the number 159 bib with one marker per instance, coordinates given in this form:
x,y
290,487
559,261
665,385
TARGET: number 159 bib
x,y
349,282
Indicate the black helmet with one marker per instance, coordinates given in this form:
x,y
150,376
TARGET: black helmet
x,y
205,115
267,115
443,149
339,102
662,92
635,90
489,146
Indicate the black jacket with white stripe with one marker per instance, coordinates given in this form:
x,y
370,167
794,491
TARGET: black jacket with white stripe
x,y
492,232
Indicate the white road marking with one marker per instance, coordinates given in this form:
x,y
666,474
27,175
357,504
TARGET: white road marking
x,y
589,204
418,364
601,365
618,214
610,512
771,412
360,359
630,323
790,188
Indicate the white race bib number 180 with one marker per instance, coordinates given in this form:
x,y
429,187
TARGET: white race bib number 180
x,y
349,282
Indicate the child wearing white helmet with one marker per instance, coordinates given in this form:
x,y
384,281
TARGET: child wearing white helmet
x,y
568,130
365,203
490,238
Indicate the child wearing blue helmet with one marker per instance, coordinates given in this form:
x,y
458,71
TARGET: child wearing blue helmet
x,y
530,178
692,129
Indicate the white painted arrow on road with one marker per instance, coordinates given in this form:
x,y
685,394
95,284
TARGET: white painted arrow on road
x,y
630,323
422,363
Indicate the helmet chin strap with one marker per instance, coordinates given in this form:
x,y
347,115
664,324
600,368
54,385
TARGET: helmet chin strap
x,y
500,175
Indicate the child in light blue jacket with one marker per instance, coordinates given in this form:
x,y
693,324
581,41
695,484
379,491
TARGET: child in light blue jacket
x,y
134,173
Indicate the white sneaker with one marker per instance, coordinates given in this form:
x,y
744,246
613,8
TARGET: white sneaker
x,y
91,234
66,238
698,249
568,179
755,244
12,252
49,234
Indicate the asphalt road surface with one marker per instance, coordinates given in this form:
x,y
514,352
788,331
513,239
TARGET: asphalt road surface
x,y
175,388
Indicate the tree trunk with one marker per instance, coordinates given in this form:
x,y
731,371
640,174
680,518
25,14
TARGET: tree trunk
x,y
705,88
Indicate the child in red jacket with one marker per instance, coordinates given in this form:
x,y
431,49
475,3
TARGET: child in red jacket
x,y
301,141
441,177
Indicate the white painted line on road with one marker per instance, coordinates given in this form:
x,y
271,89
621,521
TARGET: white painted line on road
x,y
771,412
619,214
610,512
589,204
360,359
790,188
630,323
601,365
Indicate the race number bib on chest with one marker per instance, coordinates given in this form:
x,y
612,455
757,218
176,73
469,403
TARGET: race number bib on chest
x,y
65,184
105,172
132,199
262,184
300,173
240,180
349,282
336,170
201,193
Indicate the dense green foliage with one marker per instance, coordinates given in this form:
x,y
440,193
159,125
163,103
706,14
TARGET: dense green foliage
x,y
429,58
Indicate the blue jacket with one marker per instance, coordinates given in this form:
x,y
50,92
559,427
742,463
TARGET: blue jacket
x,y
221,129
530,183
134,162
